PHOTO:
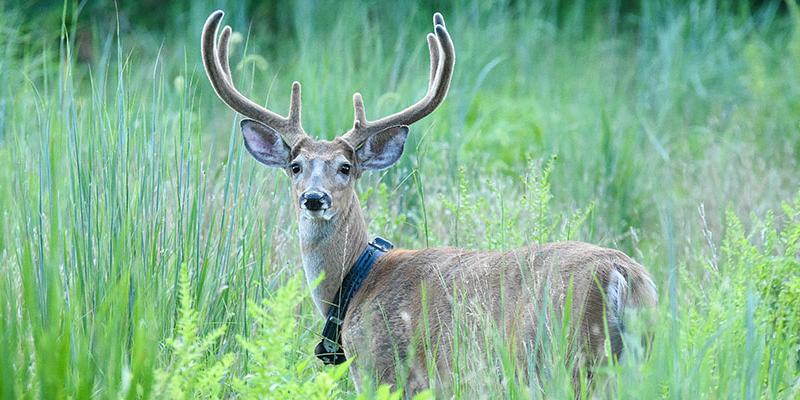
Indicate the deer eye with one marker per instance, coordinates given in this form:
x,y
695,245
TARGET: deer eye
x,y
295,167
345,169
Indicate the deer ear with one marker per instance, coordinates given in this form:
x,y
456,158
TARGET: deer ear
x,y
265,144
382,149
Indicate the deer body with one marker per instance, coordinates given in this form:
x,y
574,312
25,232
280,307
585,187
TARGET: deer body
x,y
412,292
387,311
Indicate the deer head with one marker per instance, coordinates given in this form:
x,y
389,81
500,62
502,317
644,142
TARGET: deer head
x,y
323,173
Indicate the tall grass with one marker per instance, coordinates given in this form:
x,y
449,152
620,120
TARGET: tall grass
x,y
144,254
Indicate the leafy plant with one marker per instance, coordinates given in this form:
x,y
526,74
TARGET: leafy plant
x,y
276,368
194,372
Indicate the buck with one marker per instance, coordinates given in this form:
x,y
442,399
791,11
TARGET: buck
x,y
373,296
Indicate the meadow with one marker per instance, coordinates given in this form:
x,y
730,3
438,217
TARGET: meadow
x,y
145,254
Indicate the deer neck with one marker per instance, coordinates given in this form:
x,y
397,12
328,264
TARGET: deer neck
x,y
331,247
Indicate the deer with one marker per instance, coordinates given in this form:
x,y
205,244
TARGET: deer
x,y
373,296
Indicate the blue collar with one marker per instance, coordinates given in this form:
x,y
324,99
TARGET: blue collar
x,y
329,350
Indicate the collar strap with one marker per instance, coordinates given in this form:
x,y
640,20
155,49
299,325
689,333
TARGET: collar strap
x,y
329,350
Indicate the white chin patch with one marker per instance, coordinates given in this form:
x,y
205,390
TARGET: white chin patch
x,y
322,214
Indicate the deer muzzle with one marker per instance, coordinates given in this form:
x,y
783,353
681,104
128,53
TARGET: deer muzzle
x,y
315,201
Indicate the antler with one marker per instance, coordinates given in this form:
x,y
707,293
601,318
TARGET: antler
x,y
215,60
443,59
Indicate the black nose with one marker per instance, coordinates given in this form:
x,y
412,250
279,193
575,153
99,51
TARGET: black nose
x,y
315,201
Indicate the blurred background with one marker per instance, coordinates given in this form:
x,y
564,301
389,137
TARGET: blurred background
x,y
622,90
667,129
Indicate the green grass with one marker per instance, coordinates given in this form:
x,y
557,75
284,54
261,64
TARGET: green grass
x,y
676,129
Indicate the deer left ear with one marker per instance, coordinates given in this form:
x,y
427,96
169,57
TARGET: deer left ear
x,y
383,149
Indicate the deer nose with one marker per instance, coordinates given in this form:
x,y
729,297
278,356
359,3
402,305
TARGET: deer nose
x,y
315,201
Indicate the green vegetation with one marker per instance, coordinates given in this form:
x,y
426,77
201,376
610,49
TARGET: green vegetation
x,y
144,254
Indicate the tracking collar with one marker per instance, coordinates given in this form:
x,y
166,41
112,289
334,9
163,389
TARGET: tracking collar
x,y
329,350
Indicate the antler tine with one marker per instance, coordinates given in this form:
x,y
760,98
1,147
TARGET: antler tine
x,y
294,105
442,55
433,48
438,19
222,53
360,116
215,61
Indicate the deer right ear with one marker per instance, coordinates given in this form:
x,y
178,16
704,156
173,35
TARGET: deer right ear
x,y
265,144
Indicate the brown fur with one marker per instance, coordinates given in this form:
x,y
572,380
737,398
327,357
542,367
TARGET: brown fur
x,y
387,311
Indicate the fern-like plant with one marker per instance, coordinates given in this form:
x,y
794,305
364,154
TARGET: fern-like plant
x,y
193,371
